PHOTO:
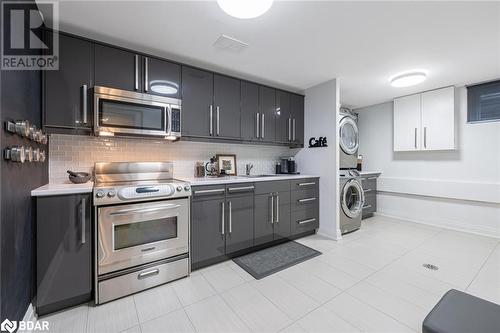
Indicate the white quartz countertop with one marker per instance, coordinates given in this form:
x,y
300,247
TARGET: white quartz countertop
x,y
241,179
66,187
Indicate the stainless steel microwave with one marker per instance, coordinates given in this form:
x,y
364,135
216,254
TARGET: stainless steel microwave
x,y
122,112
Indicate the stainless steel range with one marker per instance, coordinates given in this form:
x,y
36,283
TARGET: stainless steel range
x,y
142,227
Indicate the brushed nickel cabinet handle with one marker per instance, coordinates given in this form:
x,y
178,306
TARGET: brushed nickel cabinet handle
x,y
306,221
289,129
230,218
218,190
367,190
272,209
415,138
307,200
83,217
136,72
222,219
425,137
277,208
257,123
293,129
84,104
262,131
236,189
146,79
307,184
211,114
217,110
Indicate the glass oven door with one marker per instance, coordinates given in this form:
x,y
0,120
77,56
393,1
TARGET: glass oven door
x,y
135,234
118,114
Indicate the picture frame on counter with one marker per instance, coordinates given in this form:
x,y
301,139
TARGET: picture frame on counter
x,y
226,164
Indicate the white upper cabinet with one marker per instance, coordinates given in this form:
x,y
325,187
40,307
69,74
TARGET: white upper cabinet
x,y
438,119
407,123
425,121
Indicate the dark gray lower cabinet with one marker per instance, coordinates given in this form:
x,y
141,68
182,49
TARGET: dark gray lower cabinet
x,y
229,220
369,183
272,217
239,226
221,224
207,227
264,228
64,252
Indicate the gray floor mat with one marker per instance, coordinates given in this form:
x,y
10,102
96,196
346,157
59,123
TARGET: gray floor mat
x,y
274,259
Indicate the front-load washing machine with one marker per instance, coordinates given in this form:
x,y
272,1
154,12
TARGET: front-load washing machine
x,y
348,141
352,199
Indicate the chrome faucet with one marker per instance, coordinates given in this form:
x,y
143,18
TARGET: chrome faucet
x,y
248,168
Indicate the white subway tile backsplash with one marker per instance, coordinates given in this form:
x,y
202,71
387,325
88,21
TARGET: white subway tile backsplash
x,y
79,153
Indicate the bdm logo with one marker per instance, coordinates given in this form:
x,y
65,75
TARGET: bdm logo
x,y
28,40
8,326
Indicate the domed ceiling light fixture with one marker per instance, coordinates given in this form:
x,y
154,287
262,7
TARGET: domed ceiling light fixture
x,y
408,79
245,9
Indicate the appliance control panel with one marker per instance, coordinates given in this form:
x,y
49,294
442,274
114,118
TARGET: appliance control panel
x,y
105,196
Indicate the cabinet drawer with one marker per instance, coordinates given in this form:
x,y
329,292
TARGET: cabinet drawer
x,y
369,183
136,281
305,220
240,189
305,198
208,192
272,186
306,183
370,205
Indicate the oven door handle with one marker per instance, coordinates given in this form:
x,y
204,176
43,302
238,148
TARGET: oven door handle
x,y
144,210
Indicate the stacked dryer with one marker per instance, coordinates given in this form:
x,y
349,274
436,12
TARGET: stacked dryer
x,y
351,192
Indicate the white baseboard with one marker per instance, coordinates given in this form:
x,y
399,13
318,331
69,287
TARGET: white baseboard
x,y
442,224
333,237
30,313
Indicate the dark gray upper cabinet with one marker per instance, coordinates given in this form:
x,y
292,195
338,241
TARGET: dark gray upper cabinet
x,y
63,248
197,102
283,117
297,113
239,222
161,77
250,113
66,100
227,107
117,68
207,229
267,104
258,112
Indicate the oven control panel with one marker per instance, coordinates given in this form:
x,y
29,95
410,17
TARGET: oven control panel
x,y
146,191
105,196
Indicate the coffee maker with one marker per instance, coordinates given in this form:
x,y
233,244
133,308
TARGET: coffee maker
x,y
288,165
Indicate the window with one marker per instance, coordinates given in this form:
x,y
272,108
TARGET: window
x,y
483,102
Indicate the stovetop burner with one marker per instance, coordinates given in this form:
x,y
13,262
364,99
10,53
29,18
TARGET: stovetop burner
x,y
139,181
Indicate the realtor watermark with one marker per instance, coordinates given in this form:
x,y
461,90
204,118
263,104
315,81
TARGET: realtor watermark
x,y
23,326
28,38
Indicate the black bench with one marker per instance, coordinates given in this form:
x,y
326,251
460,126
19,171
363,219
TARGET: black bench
x,y
458,312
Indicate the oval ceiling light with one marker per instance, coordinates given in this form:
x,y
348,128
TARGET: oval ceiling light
x,y
408,79
245,9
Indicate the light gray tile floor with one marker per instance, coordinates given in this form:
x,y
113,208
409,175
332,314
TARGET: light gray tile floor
x,y
371,281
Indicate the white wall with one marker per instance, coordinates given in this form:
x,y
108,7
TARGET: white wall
x,y
321,112
454,189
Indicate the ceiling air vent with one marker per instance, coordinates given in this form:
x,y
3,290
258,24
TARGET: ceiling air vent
x,y
228,43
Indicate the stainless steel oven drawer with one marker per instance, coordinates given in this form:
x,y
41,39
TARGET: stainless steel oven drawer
x,y
130,283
